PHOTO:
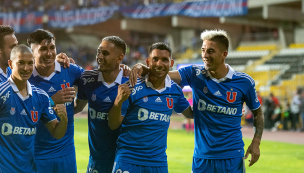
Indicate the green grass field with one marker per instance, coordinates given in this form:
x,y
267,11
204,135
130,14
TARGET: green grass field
x,y
276,157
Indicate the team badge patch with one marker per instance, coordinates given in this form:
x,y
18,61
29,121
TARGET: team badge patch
x,y
205,90
34,116
93,98
145,99
230,98
203,71
169,102
13,111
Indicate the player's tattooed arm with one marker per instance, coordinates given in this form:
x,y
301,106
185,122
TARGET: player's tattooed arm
x,y
141,70
254,147
188,113
137,71
114,117
258,123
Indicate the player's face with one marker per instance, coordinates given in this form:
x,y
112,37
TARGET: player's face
x,y
10,41
108,57
22,66
212,56
160,63
44,53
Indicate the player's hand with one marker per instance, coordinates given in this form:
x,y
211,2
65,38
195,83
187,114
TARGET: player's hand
x,y
61,112
137,70
64,60
123,93
243,110
64,95
126,70
254,150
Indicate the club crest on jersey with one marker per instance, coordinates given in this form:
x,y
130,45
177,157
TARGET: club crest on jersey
x,y
205,90
145,99
93,98
230,98
63,85
34,116
169,102
13,111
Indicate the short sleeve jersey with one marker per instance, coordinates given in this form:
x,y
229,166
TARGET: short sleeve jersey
x,y
100,97
217,108
19,117
3,76
147,112
45,145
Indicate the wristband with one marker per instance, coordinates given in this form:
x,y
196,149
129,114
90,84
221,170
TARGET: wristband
x,y
52,102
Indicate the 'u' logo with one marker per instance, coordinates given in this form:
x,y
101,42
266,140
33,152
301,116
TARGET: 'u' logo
x,y
229,99
170,103
34,116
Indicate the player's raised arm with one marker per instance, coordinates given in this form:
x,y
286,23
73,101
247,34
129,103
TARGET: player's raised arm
x,y
142,70
79,105
64,60
58,128
114,117
254,147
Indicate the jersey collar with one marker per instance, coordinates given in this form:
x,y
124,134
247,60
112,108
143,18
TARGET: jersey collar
x,y
117,80
57,69
228,75
16,90
2,73
167,83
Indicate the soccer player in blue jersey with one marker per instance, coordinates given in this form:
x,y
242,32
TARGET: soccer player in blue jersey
x,y
99,89
8,41
54,156
22,107
219,93
144,114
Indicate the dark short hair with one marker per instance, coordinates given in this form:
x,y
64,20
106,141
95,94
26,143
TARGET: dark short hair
x,y
4,31
160,46
222,41
118,42
40,34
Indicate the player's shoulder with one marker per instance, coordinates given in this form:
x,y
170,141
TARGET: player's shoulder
x,y
174,85
4,87
39,92
74,67
193,66
140,81
89,73
244,77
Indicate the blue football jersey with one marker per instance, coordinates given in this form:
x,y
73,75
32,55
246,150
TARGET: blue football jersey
x,y
147,112
19,117
100,97
217,108
3,76
45,145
